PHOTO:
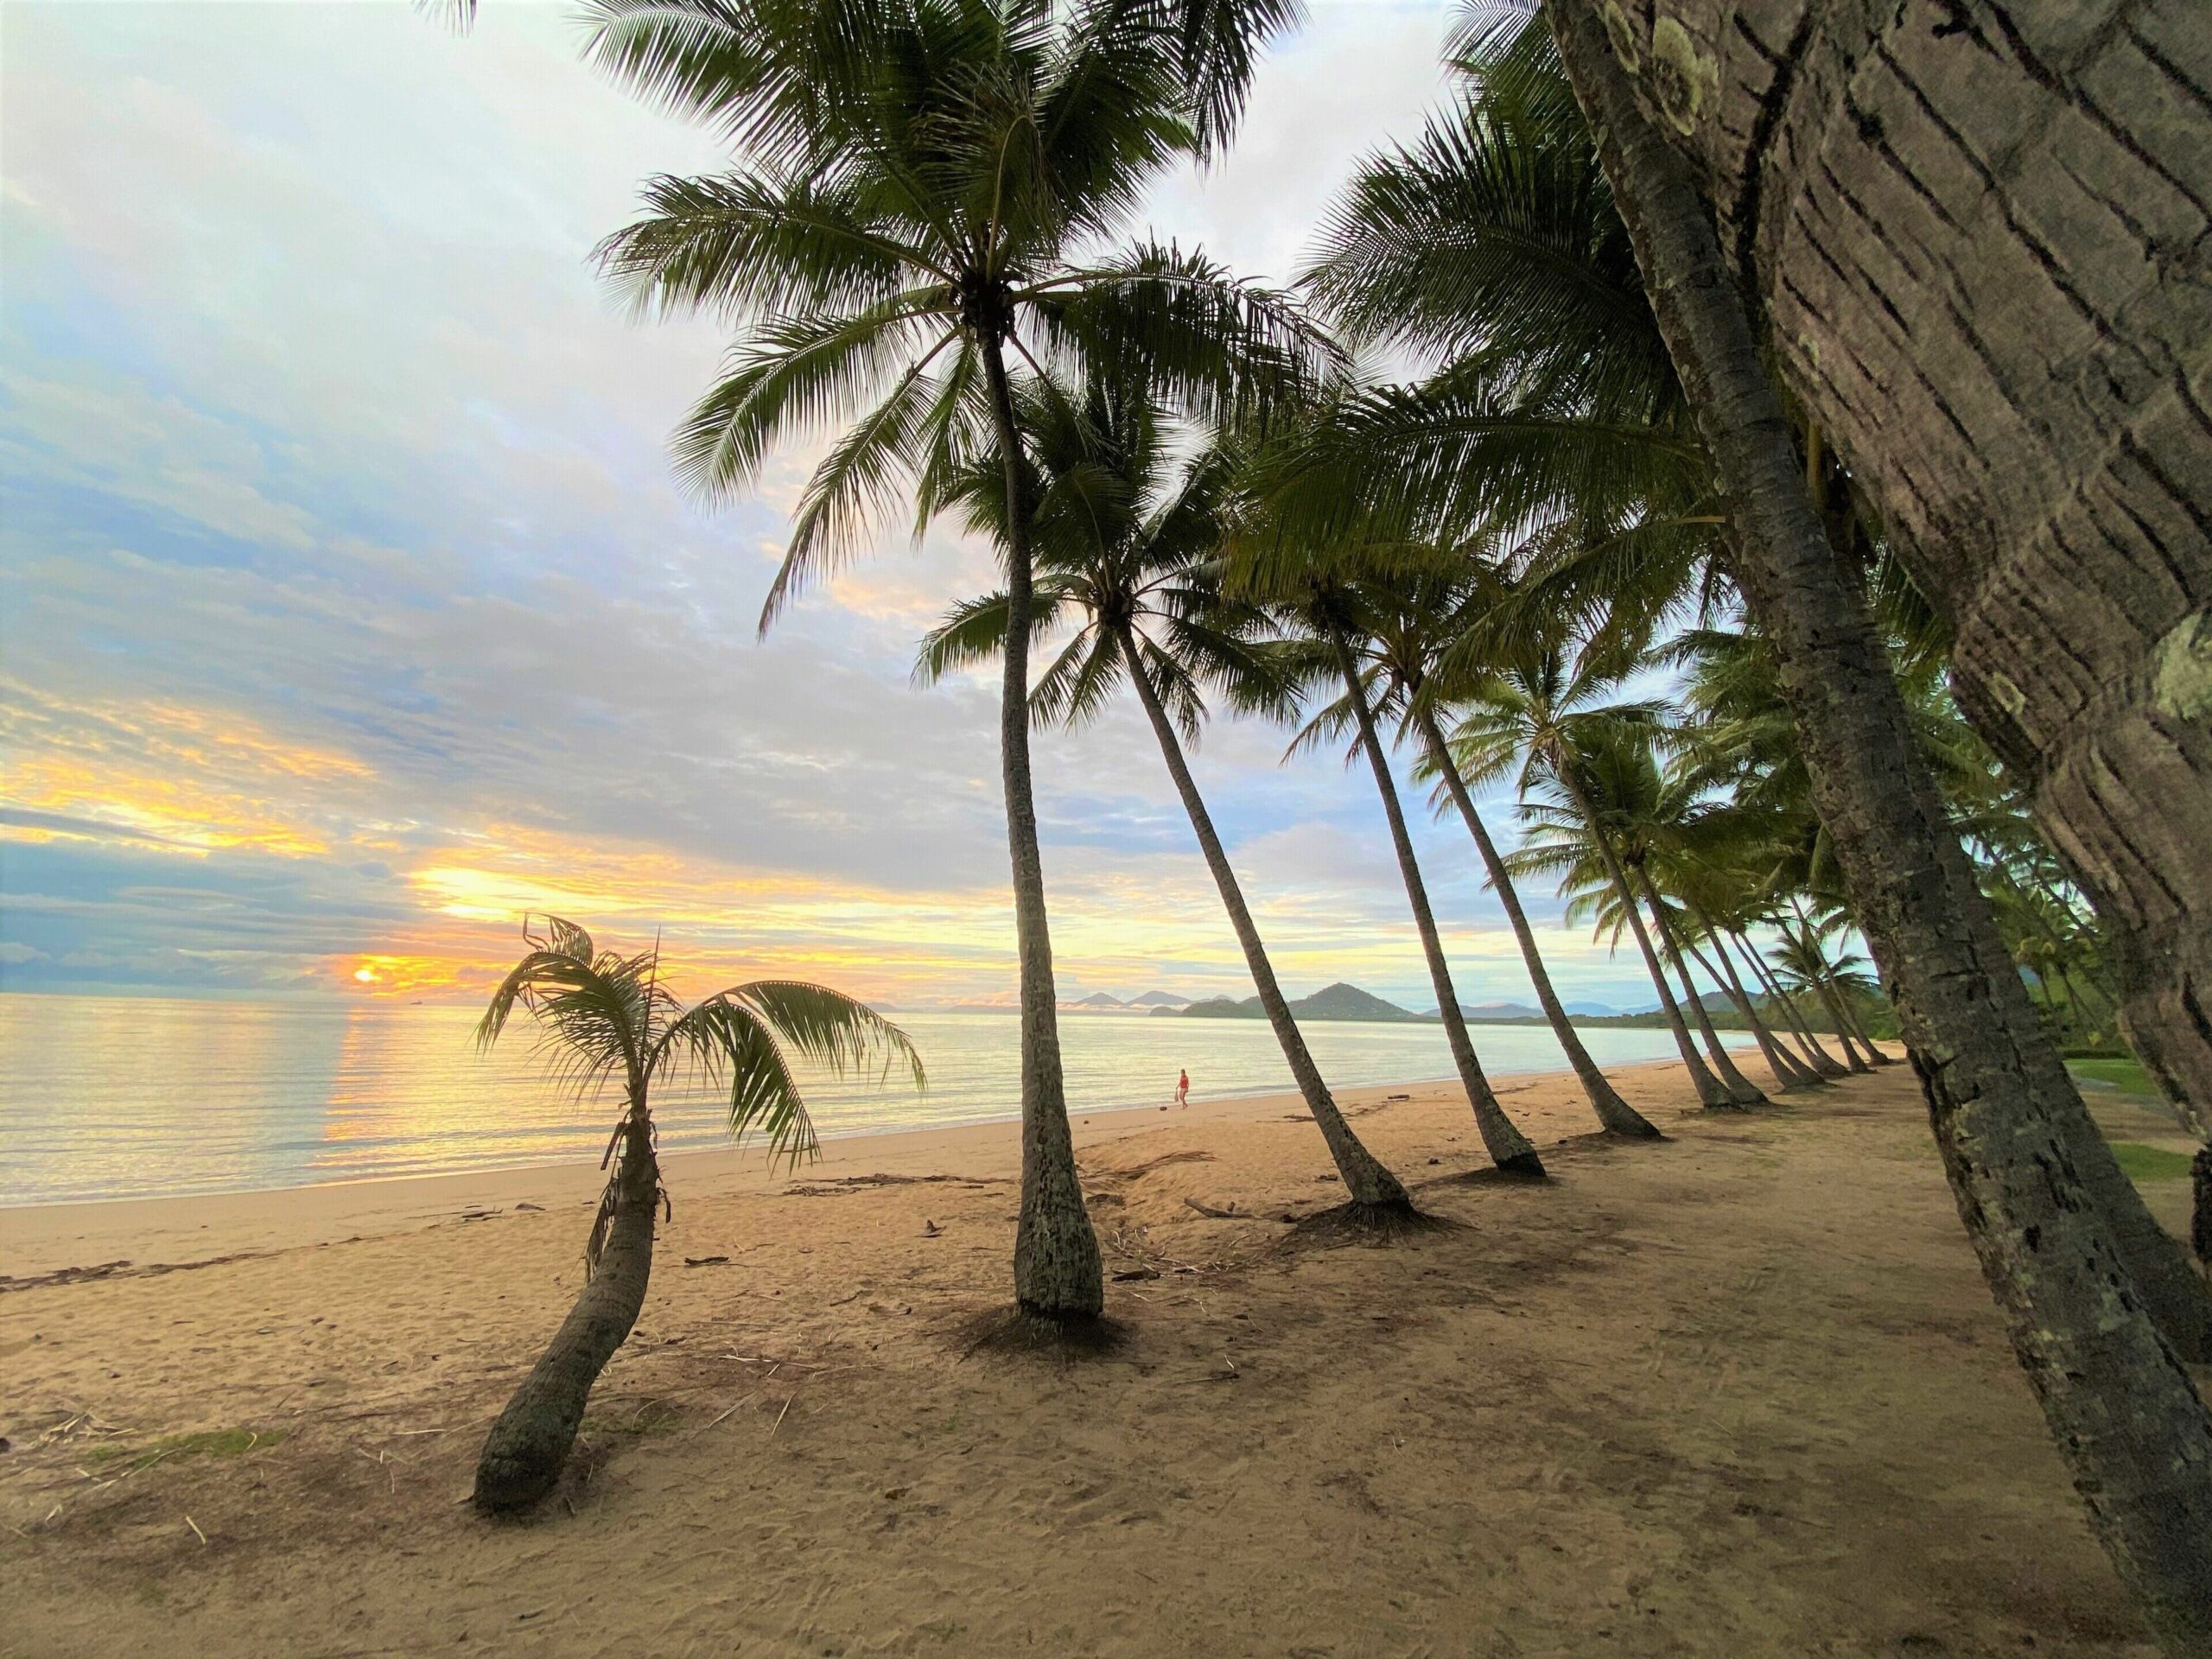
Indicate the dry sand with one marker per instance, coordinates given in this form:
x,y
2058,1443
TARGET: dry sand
x,y
1743,1393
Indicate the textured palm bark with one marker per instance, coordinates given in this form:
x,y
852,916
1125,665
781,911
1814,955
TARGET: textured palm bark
x,y
1057,1272
2199,1181
1982,230
1711,1093
522,1456
1616,1114
1742,1092
1368,1183
2121,1408
1788,1073
1823,1062
1509,1148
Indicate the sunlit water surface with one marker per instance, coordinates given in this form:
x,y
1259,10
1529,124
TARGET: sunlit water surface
x,y
106,1097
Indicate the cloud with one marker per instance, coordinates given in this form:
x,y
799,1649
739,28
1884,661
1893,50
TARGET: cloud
x,y
352,609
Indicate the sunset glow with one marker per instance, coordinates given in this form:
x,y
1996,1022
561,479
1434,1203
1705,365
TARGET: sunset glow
x,y
342,636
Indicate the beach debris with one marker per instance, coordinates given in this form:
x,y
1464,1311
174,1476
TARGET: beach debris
x,y
1129,1273
706,1261
930,1228
538,1207
196,1533
1212,1214
1391,1097
62,1275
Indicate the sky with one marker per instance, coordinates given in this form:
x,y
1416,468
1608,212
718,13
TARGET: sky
x,y
351,610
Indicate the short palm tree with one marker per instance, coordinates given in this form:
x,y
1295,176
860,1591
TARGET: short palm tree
x,y
1126,541
927,192
605,1018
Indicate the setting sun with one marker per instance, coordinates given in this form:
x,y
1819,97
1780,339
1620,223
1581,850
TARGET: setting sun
x,y
365,976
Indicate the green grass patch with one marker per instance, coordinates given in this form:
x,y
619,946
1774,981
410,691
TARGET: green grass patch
x,y
2125,1075
2144,1163
209,1442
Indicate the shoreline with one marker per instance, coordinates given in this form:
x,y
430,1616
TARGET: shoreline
x,y
185,1229
1678,1398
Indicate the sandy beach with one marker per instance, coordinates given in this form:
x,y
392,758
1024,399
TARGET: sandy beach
x,y
1743,1392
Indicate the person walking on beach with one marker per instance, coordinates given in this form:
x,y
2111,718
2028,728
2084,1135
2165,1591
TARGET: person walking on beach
x,y
1183,1089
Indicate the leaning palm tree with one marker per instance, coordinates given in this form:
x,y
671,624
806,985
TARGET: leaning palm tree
x,y
1126,540
2005,1115
1323,620
605,1018
927,192
1410,622
1832,975
1601,836
1537,714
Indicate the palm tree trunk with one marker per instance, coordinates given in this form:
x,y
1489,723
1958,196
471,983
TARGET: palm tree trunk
x,y
1787,1074
1742,1092
1848,1028
522,1458
1824,1063
2122,1411
1509,1148
1852,1057
1370,1185
1614,1113
1795,1070
1057,1272
1710,1091
1963,220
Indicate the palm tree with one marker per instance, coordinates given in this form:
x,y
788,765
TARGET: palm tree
x,y
608,1018
1410,624
1830,974
1125,542
1987,357
1538,714
1603,837
1322,621
2002,1106
926,188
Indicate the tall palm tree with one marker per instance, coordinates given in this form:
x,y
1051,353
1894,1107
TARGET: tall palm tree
x,y
1410,624
1126,541
1323,620
925,190
2004,1113
605,1018
1603,837
1806,956
1538,714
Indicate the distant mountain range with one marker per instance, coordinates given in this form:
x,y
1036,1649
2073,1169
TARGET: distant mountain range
x,y
1104,1001
1343,1001
1520,1013
1337,1001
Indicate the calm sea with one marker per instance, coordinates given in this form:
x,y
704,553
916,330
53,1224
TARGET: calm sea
x,y
105,1098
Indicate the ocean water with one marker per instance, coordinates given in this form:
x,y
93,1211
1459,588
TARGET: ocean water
x,y
105,1098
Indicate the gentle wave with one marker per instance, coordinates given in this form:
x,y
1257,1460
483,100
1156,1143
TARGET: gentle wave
x,y
112,1097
